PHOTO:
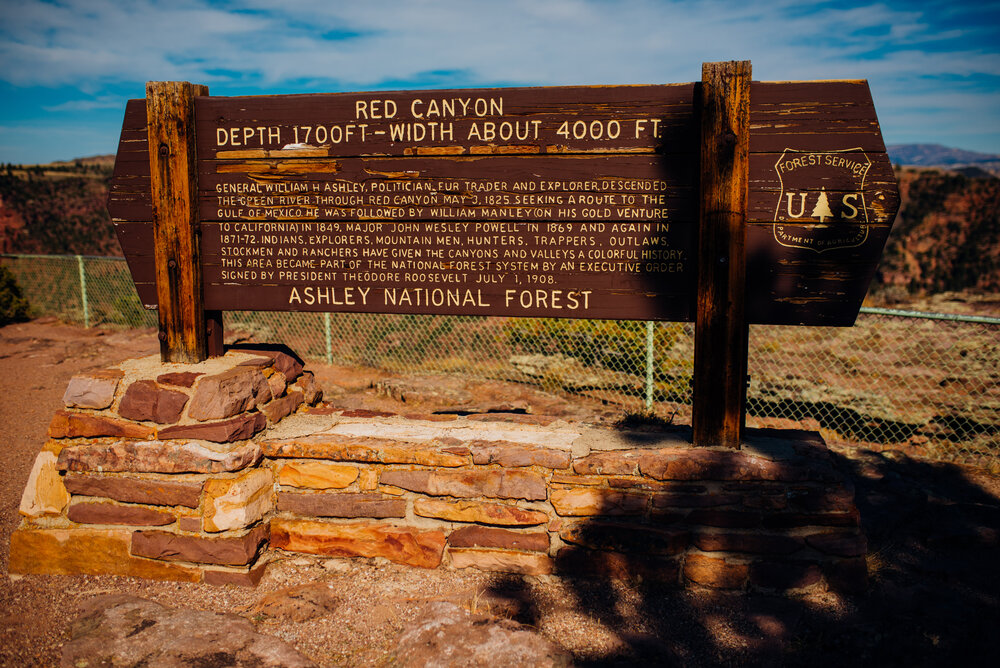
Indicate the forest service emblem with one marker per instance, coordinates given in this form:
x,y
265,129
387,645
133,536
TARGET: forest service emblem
x,y
821,205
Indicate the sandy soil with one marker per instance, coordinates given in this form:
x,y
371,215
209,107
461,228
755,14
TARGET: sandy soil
x,y
933,531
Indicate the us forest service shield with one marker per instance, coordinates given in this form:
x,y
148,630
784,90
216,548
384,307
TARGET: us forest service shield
x,y
821,205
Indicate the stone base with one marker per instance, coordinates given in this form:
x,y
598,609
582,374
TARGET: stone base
x,y
512,493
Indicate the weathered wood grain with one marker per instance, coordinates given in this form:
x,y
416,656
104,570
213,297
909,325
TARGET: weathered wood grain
x,y
721,331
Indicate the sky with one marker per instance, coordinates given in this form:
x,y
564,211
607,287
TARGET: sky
x,y
68,66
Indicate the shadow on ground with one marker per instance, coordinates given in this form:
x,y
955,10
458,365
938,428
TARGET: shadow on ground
x,y
933,600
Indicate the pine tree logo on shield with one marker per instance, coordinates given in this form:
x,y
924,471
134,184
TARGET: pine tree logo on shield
x,y
822,202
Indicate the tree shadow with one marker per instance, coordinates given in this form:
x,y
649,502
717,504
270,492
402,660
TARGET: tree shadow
x,y
933,598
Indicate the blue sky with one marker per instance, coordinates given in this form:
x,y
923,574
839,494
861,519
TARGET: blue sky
x,y
68,66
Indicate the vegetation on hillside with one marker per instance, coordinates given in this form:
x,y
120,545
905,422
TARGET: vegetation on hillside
x,y
946,236
56,209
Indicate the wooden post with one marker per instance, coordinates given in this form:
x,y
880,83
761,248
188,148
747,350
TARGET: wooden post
x,y
720,342
184,335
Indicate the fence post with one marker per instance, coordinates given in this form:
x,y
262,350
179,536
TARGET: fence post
x,y
720,335
83,291
329,339
649,366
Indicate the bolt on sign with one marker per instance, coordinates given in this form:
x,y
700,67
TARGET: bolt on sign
x,y
559,202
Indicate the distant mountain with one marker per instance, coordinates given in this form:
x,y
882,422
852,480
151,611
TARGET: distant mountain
x,y
936,155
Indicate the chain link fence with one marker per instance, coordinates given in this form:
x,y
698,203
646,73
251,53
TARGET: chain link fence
x,y
925,383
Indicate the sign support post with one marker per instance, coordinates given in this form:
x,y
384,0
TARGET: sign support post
x,y
187,333
721,331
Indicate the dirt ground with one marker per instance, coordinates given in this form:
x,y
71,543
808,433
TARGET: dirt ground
x,y
933,529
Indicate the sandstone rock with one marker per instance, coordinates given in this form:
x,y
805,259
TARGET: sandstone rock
x,y
82,551
744,519
234,503
144,400
44,494
135,490
362,449
596,501
156,457
66,424
475,511
511,455
446,636
586,563
841,543
225,394
492,483
706,464
112,513
503,561
435,390
534,541
249,576
282,357
318,475
342,504
235,551
300,603
306,383
577,480
276,383
616,462
239,428
635,538
694,500
92,390
784,575
788,520
401,544
179,378
368,480
756,543
122,630
190,523
715,572
280,408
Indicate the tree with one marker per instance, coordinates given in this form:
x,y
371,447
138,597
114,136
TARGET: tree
x,y
822,208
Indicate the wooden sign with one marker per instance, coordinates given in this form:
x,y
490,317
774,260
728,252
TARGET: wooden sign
x,y
562,202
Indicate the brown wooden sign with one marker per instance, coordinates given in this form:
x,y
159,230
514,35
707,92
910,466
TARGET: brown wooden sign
x,y
567,202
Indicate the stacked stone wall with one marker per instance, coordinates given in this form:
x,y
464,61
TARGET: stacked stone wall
x,y
186,473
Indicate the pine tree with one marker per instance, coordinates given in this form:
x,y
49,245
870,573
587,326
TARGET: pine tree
x,y
822,208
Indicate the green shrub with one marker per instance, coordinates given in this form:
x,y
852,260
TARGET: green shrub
x,y
13,305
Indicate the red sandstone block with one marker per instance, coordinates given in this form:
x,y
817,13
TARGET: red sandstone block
x,y
500,484
339,504
476,536
822,500
239,428
790,520
740,519
282,358
586,563
237,551
179,378
145,400
702,464
249,577
715,572
364,413
632,538
650,486
66,424
618,462
148,491
839,543
694,500
512,455
756,543
783,575
401,544
112,513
